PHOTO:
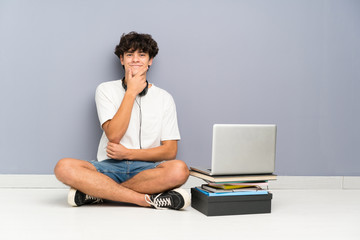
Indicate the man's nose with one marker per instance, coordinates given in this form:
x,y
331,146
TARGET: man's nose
x,y
135,58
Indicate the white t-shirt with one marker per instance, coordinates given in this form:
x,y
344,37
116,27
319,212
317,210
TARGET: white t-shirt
x,y
158,117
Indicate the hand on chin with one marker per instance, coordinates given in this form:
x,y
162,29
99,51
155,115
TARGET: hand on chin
x,y
135,70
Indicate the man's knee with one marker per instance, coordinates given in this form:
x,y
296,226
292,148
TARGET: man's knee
x,y
178,173
63,169
66,169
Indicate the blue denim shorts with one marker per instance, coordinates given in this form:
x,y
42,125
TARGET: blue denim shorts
x,y
122,170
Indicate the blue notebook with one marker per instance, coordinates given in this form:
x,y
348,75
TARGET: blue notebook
x,y
243,193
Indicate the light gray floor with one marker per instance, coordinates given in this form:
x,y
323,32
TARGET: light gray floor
x,y
296,214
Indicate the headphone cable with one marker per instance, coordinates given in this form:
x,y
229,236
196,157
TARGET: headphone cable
x,y
140,115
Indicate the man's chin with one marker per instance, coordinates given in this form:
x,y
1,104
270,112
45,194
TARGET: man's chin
x,y
134,71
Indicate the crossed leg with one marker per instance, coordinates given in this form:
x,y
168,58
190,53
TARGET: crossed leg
x,y
82,175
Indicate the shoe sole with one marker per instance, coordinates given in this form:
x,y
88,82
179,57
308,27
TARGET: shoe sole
x,y
71,197
185,195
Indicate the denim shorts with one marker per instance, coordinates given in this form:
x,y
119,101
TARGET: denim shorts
x,y
122,170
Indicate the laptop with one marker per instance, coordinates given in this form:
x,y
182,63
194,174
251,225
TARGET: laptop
x,y
242,149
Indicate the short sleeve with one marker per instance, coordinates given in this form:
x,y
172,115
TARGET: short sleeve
x,y
105,107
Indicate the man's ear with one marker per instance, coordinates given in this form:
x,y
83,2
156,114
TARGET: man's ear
x,y
121,59
150,61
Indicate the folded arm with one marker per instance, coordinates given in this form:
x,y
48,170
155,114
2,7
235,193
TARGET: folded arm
x,y
116,128
166,151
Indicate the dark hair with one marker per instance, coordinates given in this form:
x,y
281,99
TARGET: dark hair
x,y
136,41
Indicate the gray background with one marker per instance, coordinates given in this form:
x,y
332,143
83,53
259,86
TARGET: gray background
x,y
293,63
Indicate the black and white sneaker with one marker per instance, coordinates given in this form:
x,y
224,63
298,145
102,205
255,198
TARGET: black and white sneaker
x,y
175,199
77,198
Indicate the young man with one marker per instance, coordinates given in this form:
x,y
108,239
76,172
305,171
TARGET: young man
x,y
136,155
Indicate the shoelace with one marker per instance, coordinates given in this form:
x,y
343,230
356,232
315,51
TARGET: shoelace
x,y
96,200
158,202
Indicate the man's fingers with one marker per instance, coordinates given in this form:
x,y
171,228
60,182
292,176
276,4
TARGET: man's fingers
x,y
110,148
110,153
136,83
128,73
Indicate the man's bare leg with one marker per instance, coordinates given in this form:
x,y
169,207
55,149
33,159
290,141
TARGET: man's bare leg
x,y
168,175
83,176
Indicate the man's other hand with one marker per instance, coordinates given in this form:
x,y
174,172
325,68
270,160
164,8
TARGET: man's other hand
x,y
116,151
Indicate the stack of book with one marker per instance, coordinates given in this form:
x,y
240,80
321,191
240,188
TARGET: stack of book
x,y
234,185
237,194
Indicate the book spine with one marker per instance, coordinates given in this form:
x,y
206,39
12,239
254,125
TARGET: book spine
x,y
261,192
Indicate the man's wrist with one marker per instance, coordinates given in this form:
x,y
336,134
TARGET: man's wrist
x,y
130,154
130,94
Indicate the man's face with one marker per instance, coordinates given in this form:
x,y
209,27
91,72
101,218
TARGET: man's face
x,y
135,60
